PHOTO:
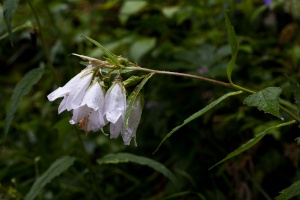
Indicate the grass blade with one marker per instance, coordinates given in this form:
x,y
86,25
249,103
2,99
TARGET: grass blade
x,y
21,89
56,168
127,157
198,114
252,142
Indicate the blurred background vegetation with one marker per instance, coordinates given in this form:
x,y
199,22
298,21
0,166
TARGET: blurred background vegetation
x,y
178,35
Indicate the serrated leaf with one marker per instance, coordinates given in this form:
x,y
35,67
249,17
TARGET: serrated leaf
x,y
127,157
198,114
55,169
266,100
21,89
296,91
289,192
112,57
252,141
133,96
9,8
233,44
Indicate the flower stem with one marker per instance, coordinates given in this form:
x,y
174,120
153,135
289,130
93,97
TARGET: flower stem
x,y
230,85
181,74
49,61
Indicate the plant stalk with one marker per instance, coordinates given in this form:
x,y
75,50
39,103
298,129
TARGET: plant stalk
x,y
230,85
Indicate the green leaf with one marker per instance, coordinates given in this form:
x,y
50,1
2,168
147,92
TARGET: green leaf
x,y
21,89
266,100
233,44
9,8
296,91
133,96
252,141
126,157
112,57
133,80
130,7
289,192
140,47
26,25
198,114
56,168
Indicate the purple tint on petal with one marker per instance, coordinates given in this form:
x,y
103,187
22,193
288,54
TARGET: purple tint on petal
x,y
238,1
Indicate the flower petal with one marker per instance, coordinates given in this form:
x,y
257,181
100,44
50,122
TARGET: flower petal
x,y
116,128
62,91
133,122
115,103
94,96
77,92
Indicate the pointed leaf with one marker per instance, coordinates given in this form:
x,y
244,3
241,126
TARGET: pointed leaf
x,y
266,100
140,47
21,89
9,8
56,168
133,80
198,114
289,192
233,44
26,25
133,97
127,157
252,142
296,91
110,55
129,8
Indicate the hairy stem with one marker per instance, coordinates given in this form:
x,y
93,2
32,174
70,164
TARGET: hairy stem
x,y
181,74
230,85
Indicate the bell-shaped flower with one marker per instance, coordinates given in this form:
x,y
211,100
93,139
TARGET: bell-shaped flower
x,y
133,121
115,108
73,92
89,115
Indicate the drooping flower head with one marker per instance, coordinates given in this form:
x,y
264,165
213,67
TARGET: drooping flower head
x,y
115,107
73,92
85,96
90,113
133,121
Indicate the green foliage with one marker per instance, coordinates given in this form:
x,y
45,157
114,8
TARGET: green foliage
x,y
233,44
21,89
266,100
289,192
9,8
55,169
140,47
111,57
130,7
190,37
296,91
127,157
198,114
252,142
133,96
